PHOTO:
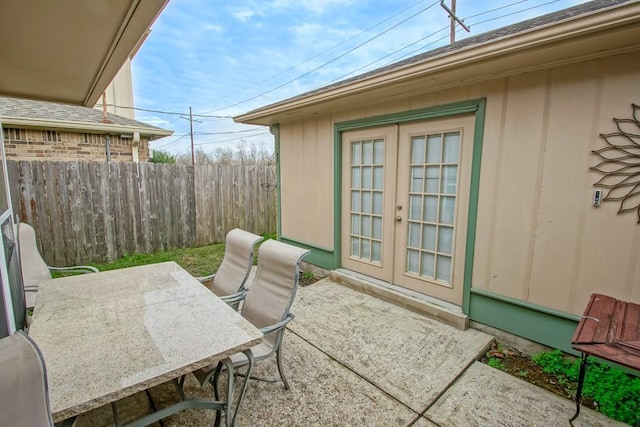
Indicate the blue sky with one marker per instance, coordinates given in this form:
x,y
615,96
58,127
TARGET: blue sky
x,y
227,58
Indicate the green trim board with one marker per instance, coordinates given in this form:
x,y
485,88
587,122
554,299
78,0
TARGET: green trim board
x,y
319,256
474,191
537,323
476,106
275,131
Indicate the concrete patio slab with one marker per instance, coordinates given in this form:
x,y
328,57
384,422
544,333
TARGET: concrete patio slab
x,y
323,393
409,356
485,396
355,360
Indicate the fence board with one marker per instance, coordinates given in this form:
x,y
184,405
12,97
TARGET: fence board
x,y
86,212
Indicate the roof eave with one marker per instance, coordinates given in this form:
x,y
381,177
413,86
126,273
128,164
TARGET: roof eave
x,y
81,126
519,43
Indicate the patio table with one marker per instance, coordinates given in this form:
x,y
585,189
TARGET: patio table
x,y
108,335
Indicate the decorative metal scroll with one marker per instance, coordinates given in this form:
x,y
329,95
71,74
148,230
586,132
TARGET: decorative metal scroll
x,y
620,164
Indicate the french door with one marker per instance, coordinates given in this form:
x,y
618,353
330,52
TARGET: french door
x,y
405,204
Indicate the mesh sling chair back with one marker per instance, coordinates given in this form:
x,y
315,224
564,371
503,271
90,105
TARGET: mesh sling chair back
x,y
34,268
266,306
24,398
229,282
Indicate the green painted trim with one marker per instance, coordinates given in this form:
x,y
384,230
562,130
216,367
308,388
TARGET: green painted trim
x,y
319,256
275,131
476,106
472,218
445,110
337,196
534,322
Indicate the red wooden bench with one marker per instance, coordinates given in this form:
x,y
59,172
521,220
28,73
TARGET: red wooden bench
x,y
609,329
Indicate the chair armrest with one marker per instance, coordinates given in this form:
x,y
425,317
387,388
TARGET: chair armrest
x,y
205,278
238,296
80,269
277,326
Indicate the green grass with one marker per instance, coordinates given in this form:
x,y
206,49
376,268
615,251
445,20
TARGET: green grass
x,y
199,261
616,393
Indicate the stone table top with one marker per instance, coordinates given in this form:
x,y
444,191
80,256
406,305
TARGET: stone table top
x,y
108,335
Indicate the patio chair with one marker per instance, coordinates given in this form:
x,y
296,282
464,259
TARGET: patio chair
x,y
229,282
24,397
267,306
34,268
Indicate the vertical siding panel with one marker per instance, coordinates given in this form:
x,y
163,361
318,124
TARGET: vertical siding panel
x,y
563,200
518,184
608,255
293,195
496,94
324,182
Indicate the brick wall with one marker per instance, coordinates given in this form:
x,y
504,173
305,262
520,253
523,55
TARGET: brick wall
x,y
35,144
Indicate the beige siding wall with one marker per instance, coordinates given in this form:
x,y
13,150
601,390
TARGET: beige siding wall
x,y
539,239
120,93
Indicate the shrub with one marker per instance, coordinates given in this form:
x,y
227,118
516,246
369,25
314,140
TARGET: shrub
x,y
616,393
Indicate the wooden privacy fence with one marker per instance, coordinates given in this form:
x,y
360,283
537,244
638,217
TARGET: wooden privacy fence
x,y
87,212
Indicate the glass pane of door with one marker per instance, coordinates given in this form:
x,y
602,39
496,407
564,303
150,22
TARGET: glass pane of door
x,y
367,195
431,219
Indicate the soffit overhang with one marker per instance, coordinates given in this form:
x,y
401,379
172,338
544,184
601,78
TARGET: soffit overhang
x,y
68,50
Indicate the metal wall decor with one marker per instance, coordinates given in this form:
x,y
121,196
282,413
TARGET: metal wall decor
x,y
620,164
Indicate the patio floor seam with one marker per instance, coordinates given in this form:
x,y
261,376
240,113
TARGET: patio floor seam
x,y
455,380
418,415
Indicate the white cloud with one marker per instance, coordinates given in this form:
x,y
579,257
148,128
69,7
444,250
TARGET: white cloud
x,y
243,14
315,6
214,27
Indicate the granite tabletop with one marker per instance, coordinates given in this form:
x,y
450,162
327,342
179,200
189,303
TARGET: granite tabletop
x,y
108,335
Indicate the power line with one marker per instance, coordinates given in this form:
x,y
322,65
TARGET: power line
x,y
413,52
327,50
225,133
514,13
232,139
167,112
418,41
330,61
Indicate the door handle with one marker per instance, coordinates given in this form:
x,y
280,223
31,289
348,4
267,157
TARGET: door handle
x,y
398,218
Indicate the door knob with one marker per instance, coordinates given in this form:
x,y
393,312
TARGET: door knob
x,y
398,218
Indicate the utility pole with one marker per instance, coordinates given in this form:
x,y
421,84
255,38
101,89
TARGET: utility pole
x,y
193,154
190,118
452,30
454,19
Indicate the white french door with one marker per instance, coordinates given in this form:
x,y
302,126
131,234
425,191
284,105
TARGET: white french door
x,y
405,203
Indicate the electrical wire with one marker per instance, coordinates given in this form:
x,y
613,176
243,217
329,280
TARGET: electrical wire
x,y
224,133
169,112
233,139
327,50
328,62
